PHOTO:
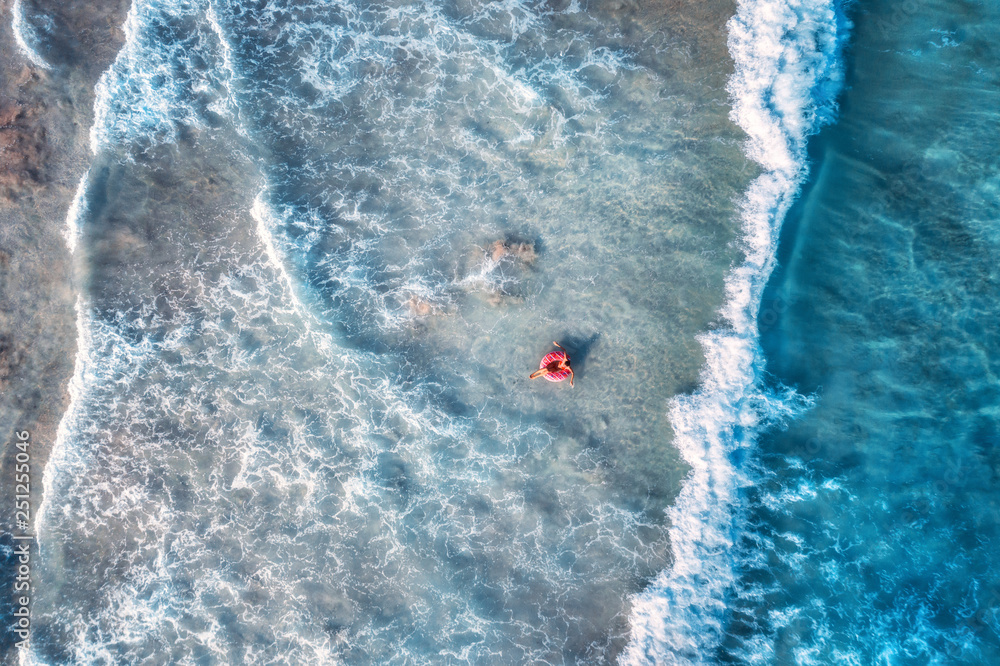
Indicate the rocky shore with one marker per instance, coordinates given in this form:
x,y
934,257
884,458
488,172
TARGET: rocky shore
x,y
51,56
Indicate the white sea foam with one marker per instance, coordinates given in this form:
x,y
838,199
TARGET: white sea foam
x,y
266,219
787,57
76,389
120,362
26,36
164,77
77,209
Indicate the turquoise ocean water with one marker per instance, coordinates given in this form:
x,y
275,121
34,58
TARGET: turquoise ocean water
x,y
320,247
873,523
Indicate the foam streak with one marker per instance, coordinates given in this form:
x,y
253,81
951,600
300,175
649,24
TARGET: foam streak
x,y
26,37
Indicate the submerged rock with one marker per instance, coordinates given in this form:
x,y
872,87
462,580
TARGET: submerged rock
x,y
521,252
419,307
499,268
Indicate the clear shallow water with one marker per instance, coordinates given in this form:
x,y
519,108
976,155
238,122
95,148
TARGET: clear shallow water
x,y
302,428
302,431
872,530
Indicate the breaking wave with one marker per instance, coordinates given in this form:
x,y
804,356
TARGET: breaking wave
x,y
788,71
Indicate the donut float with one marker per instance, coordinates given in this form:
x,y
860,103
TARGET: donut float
x,y
551,357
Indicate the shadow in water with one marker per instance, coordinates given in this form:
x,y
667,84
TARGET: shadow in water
x,y
578,348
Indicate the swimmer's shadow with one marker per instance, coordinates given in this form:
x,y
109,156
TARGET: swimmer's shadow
x,y
578,349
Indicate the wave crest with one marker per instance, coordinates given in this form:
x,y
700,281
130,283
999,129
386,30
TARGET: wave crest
x,y
788,72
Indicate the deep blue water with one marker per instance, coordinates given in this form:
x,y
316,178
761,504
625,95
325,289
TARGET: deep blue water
x,y
873,525
321,246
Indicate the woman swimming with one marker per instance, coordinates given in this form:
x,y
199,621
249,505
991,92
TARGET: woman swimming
x,y
555,366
